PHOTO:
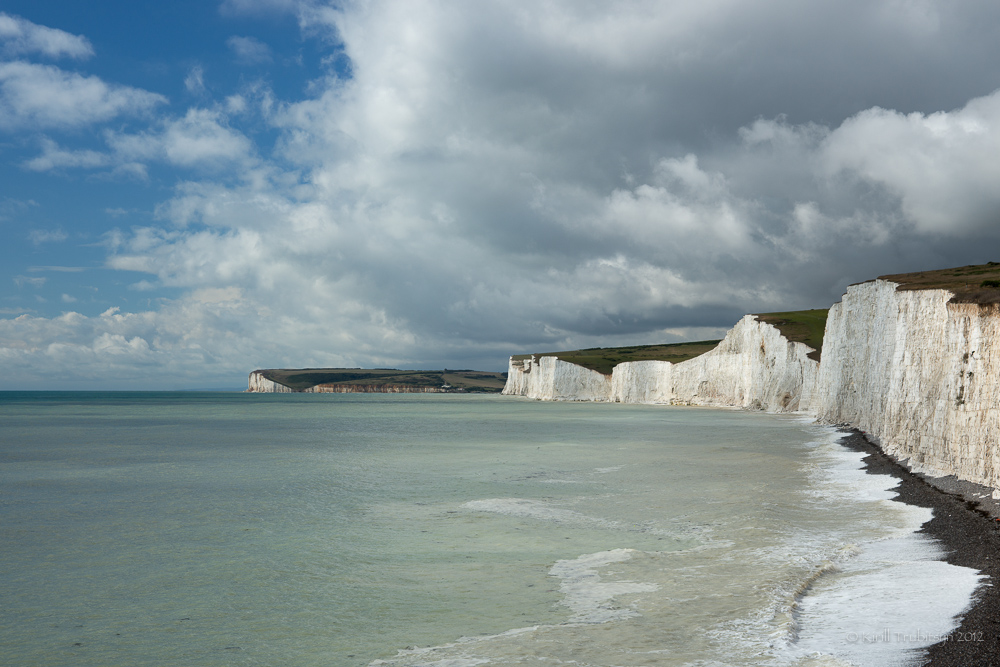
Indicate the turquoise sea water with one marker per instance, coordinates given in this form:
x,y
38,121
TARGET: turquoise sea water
x,y
446,530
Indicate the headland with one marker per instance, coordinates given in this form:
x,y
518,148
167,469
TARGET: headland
x,y
373,380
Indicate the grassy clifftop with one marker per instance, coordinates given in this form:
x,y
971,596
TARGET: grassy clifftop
x,y
978,283
800,326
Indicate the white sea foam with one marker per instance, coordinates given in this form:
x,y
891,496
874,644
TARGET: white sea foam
x,y
453,654
532,509
888,597
890,600
588,596
541,511
591,600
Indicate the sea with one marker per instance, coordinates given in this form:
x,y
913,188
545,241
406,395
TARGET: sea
x,y
391,530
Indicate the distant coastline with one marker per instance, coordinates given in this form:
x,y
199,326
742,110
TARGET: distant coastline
x,y
373,380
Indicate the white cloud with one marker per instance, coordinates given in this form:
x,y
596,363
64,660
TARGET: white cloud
x,y
20,36
186,343
236,104
40,236
10,207
33,281
42,96
942,165
201,138
53,157
248,50
194,82
58,269
253,7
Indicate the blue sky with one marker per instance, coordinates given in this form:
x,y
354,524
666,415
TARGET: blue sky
x,y
192,190
187,53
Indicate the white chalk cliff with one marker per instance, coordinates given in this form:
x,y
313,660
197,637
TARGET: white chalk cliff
x,y
753,367
920,375
551,379
258,383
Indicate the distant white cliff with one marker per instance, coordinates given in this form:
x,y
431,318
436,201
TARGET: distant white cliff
x,y
258,383
551,379
920,375
753,367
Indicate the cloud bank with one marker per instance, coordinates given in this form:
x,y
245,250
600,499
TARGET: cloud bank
x,y
503,177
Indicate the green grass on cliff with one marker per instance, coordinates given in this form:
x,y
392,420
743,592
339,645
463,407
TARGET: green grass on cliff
x,y
603,359
299,379
800,326
978,283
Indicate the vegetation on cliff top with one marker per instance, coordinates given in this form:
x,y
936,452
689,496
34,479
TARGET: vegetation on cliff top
x,y
800,326
603,359
978,283
299,379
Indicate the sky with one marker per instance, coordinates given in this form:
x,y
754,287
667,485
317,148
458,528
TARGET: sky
x,y
193,190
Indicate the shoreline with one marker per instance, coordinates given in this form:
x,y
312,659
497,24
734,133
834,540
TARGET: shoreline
x,y
968,529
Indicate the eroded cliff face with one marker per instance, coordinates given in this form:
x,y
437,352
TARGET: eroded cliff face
x,y
642,382
753,367
919,375
551,379
258,383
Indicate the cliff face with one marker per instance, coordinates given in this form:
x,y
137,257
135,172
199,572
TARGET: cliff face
x,y
550,379
642,382
753,367
258,383
920,375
